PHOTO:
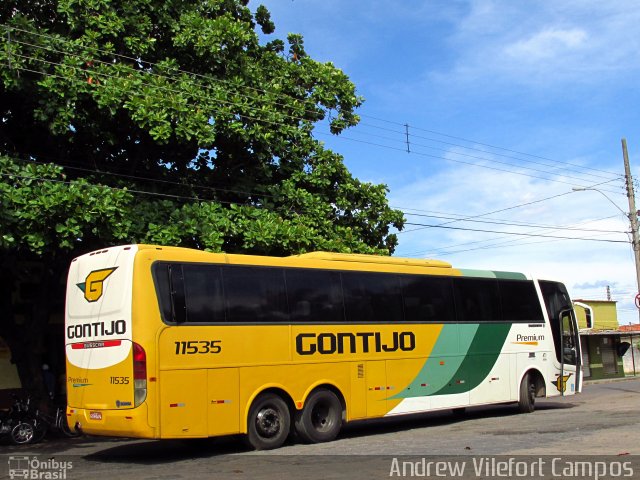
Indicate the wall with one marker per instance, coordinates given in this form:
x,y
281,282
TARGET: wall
x,y
603,359
632,356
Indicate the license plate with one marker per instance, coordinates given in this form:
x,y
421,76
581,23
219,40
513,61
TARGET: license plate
x,y
95,415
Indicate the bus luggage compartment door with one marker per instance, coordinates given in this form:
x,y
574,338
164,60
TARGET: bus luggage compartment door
x,y
183,401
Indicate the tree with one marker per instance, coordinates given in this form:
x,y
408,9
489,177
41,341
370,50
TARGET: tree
x,y
171,122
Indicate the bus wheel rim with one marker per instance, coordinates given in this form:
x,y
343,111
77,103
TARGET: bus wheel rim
x,y
321,417
268,422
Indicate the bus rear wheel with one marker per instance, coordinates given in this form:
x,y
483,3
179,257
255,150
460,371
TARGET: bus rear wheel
x,y
268,423
527,402
321,418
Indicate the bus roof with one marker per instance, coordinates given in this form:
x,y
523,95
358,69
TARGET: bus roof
x,y
339,261
379,259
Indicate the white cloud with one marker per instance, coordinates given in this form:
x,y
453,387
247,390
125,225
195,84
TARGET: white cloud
x,y
547,44
555,43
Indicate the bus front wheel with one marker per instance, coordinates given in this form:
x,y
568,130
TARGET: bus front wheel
x,y
321,418
527,402
268,423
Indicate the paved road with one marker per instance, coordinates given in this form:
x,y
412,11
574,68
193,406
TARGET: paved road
x,y
603,420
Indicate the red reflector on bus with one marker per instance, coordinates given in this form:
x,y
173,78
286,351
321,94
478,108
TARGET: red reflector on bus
x,y
139,363
139,375
98,344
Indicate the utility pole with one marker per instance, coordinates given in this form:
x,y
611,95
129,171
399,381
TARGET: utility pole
x,y
633,213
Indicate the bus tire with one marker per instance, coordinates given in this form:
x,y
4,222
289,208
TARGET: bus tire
x,y
527,402
63,426
269,422
321,418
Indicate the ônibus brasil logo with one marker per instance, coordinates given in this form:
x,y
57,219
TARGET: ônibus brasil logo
x,y
92,286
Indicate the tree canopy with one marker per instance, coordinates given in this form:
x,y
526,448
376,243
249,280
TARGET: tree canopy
x,y
176,122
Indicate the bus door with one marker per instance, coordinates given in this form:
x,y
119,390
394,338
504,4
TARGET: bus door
x,y
567,377
571,356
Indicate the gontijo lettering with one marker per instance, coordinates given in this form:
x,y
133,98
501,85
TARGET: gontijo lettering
x,y
96,329
346,342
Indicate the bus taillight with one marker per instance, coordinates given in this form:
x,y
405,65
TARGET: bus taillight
x,y
139,374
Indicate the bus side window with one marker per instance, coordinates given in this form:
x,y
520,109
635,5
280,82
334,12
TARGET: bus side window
x,y
371,297
203,293
477,300
520,301
176,286
315,296
254,294
163,290
427,299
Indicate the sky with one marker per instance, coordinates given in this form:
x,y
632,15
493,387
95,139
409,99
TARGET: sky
x,y
482,116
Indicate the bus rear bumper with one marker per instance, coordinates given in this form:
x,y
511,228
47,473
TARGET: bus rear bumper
x,y
114,423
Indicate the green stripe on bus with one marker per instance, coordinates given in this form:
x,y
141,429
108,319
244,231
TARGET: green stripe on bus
x,y
479,360
510,275
477,273
466,272
444,361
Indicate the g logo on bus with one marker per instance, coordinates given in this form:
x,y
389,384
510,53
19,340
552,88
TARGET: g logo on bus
x,y
561,382
92,287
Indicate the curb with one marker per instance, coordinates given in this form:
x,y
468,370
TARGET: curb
x,y
611,380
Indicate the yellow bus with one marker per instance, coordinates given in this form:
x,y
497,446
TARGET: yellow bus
x,y
167,342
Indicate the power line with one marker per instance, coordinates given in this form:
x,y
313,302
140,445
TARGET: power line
x,y
476,157
149,179
404,211
402,138
515,233
513,243
191,198
490,146
505,209
139,61
142,62
344,137
498,242
247,117
516,224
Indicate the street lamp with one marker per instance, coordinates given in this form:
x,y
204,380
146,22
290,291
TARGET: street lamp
x,y
633,219
584,189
